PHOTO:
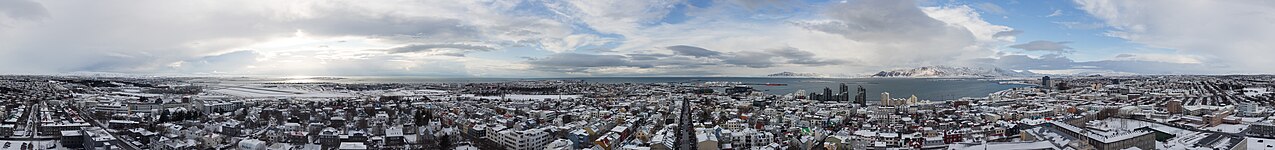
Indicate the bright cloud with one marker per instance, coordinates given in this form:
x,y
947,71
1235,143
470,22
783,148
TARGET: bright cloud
x,y
1238,32
621,38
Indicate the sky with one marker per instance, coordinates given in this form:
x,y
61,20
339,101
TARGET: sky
x,y
591,38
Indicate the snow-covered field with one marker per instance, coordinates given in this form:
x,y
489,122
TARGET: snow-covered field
x,y
524,97
245,91
1256,91
414,92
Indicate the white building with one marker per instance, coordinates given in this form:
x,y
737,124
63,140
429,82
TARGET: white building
x,y
1248,109
887,101
252,144
216,106
750,138
706,140
530,139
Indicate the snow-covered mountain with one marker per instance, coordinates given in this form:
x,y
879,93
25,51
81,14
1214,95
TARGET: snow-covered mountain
x,y
947,71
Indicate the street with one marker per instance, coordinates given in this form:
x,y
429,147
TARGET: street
x,y
118,140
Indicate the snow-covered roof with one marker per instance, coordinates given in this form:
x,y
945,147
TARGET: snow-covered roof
x,y
352,145
1010,145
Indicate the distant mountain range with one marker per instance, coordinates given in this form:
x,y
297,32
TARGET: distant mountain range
x,y
794,74
948,71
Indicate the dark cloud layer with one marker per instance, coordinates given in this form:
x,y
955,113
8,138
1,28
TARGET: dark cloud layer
x,y
458,50
686,57
693,51
22,10
1048,46
750,59
879,20
647,56
1024,62
898,32
1059,62
1008,33
767,58
219,63
796,56
576,62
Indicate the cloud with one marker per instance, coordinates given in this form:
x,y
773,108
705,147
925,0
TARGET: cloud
x,y
1057,12
417,37
964,16
457,50
991,8
1080,25
684,57
387,25
647,56
1053,63
879,20
750,59
21,10
796,56
947,34
1235,34
1048,46
151,36
1024,62
1168,58
220,63
613,16
693,51
573,42
898,31
577,62
1008,33
762,59
765,5
1153,67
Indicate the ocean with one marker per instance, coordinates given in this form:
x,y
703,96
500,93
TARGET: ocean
x,y
936,89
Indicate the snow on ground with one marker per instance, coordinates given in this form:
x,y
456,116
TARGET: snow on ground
x,y
1120,124
1183,140
524,97
1256,91
426,92
1261,143
1251,119
245,91
1046,134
